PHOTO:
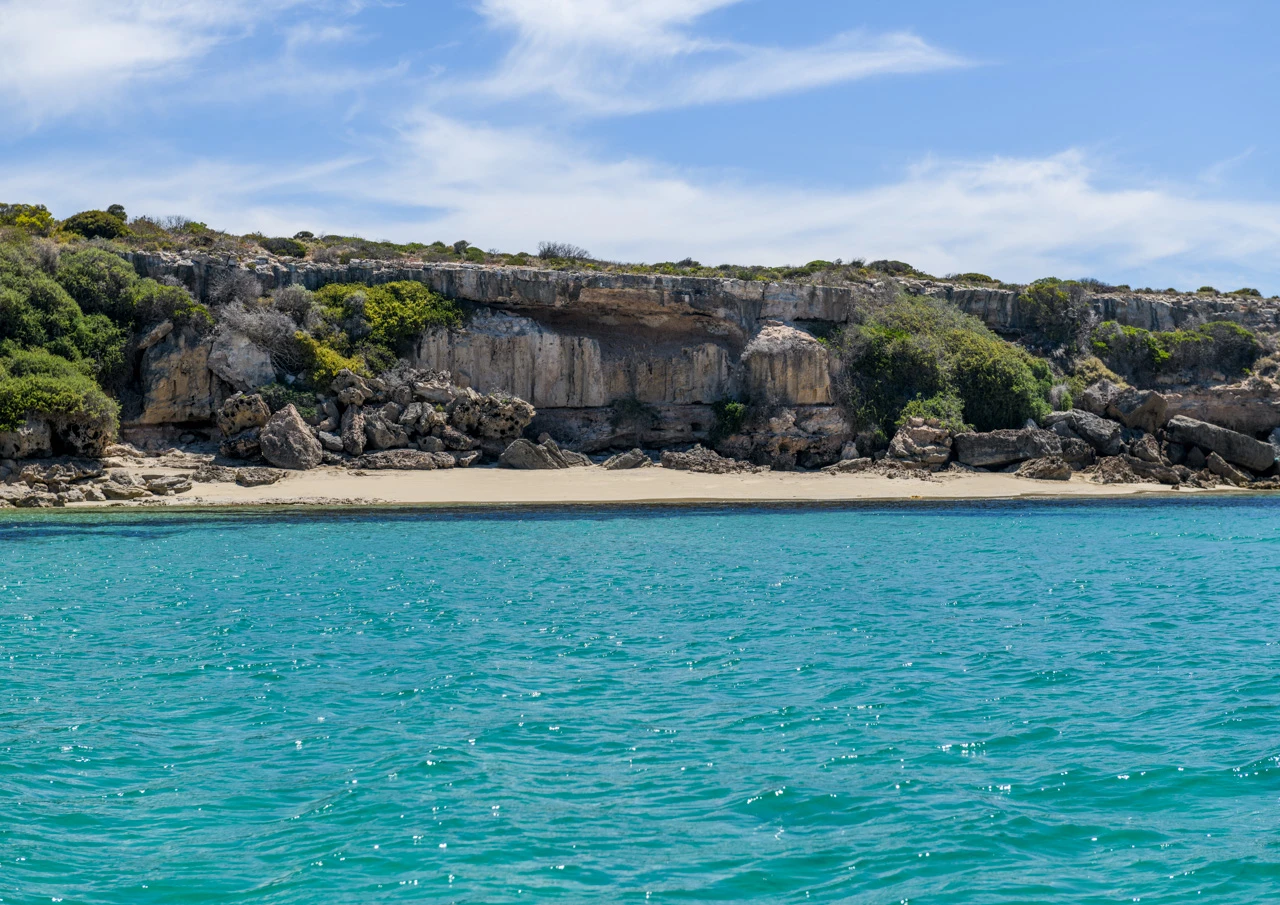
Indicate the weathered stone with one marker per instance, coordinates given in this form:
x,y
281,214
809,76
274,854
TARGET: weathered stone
x,y
467,459
331,442
123,451
1098,396
851,466
1156,471
257,477
353,423
1146,448
1077,453
177,384
287,441
526,454
214,474
1227,471
431,444
803,436
457,440
117,491
244,445
83,433
633,459
239,361
1196,460
31,440
701,459
351,389
39,499
1102,434
1047,468
787,365
1005,447
1143,410
1235,448
382,434
405,460
922,443
241,413
167,485
498,418
1250,407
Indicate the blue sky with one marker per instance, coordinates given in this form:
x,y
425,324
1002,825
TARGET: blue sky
x,y
1131,141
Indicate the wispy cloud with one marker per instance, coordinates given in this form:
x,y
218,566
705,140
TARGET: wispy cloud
x,y
59,56
618,56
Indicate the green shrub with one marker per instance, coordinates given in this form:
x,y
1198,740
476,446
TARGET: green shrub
x,y
33,218
1057,309
1246,292
155,302
117,211
390,315
973,278
945,408
474,255
41,383
100,282
731,417
291,248
918,351
893,268
279,395
322,362
1218,346
95,225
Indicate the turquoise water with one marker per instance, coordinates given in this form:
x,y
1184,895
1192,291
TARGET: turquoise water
x,y
968,703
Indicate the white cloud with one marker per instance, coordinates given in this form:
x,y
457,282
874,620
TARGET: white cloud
x,y
621,56
1017,219
58,56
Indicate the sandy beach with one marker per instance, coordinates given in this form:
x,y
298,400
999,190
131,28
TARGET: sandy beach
x,y
594,485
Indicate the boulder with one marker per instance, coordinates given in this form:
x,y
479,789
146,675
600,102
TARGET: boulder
x,y
405,460
239,361
241,413
287,441
331,442
787,365
1235,448
850,466
997,449
383,434
467,459
633,459
566,457
706,461
1227,471
1195,459
498,419
351,389
804,436
84,433
457,440
167,485
214,474
1077,453
921,443
431,444
1154,471
244,445
1047,468
1146,448
257,477
114,490
1102,434
31,440
353,437
526,454
1098,396
1139,409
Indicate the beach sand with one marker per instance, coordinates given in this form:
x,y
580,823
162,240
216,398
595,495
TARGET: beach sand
x,y
594,485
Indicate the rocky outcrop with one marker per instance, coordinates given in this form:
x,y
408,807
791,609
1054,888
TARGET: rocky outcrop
x,y
1228,472
785,365
31,440
997,449
635,458
922,444
1249,407
1100,433
242,365
1136,409
542,456
803,436
288,442
405,460
1048,468
1235,448
705,461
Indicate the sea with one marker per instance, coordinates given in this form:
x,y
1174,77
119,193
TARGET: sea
x,y
1005,702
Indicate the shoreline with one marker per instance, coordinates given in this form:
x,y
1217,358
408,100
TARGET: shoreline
x,y
594,487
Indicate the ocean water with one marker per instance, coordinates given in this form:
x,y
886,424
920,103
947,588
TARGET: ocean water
x,y
999,703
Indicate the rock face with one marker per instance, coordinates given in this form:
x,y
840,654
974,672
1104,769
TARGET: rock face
x,y
32,440
1250,407
1005,447
921,443
242,364
287,441
178,386
1235,448
241,413
1144,410
805,436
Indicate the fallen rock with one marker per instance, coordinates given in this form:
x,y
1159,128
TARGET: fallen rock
x,y
850,466
921,443
1231,446
117,491
1047,468
566,457
1114,470
241,413
1102,434
1006,447
287,441
331,442
353,437
123,451
405,460
633,459
240,362
39,500
167,485
706,461
351,389
1139,409
1146,448
467,459
1077,453
257,477
526,454
1154,471
214,474
1227,471
1196,460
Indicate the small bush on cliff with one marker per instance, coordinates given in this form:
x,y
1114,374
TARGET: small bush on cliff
x,y
945,408
564,251
390,315
95,225
100,282
278,395
156,302
322,362
31,218
1058,310
290,248
1216,347
37,382
731,417
925,352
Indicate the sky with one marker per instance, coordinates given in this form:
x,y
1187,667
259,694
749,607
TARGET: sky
x,y
1132,142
